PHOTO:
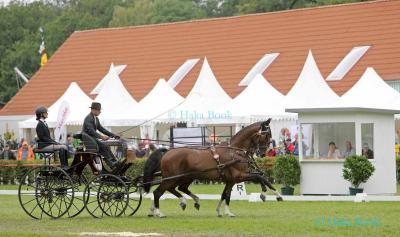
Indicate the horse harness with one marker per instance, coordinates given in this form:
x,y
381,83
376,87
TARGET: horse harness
x,y
244,157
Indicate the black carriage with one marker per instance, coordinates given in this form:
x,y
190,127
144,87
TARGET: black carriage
x,y
49,190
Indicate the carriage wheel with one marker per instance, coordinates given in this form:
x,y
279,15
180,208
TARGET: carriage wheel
x,y
78,205
106,195
135,198
47,190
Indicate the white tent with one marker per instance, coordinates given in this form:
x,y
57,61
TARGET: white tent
x,y
115,101
113,69
371,92
205,102
310,89
78,102
159,101
259,100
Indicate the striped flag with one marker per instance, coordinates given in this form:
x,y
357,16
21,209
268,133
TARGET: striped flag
x,y
42,49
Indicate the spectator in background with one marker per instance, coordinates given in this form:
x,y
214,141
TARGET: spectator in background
x,y
349,150
141,151
333,151
69,144
7,153
2,143
367,152
289,147
21,142
25,152
296,146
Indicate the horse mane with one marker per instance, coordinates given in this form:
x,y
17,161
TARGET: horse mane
x,y
243,133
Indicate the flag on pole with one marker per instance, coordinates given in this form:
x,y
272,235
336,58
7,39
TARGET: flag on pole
x,y
63,113
42,49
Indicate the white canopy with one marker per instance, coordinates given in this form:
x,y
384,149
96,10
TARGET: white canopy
x,y
371,92
78,102
161,99
205,102
260,99
113,69
310,89
115,100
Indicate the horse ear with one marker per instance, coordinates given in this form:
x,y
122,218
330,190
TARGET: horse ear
x,y
268,121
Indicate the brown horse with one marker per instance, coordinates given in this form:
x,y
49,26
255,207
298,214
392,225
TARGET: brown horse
x,y
230,164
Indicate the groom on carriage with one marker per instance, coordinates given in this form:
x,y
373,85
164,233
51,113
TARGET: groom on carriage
x,y
90,126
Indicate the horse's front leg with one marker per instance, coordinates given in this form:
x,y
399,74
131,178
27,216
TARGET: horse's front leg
x,y
223,196
263,182
226,195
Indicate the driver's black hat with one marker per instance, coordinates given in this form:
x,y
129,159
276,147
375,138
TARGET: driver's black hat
x,y
95,105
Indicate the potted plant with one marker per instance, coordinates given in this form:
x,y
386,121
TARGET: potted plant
x,y
287,172
357,170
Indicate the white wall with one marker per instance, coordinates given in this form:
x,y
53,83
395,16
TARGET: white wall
x,y
326,177
11,123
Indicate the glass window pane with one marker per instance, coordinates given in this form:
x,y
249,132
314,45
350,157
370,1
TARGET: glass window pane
x,y
367,140
328,140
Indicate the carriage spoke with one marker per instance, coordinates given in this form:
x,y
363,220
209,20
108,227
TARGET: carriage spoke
x,y
33,199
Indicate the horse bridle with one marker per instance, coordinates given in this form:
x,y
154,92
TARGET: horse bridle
x,y
259,134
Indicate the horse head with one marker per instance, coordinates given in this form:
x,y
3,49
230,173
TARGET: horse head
x,y
263,138
253,138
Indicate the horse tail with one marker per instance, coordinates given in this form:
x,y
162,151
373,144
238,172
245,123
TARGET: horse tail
x,y
152,165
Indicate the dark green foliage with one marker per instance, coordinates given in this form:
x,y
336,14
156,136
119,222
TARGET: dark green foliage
x,y
12,173
357,170
287,170
267,166
398,169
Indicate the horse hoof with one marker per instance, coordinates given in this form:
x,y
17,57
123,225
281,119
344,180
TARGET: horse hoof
x,y
183,206
279,199
197,206
262,196
219,215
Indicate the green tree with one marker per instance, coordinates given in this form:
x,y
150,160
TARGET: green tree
x,y
143,12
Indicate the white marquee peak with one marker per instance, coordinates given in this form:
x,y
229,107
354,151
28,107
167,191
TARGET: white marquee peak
x,y
310,89
113,69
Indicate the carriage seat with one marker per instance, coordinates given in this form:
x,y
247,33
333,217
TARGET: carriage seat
x,y
88,143
41,151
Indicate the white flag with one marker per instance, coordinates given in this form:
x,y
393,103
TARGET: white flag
x,y
63,114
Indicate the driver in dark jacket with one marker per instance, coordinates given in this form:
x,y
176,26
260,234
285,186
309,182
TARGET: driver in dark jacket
x,y
90,126
45,141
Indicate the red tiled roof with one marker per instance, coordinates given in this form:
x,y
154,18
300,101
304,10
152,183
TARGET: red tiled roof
x,y
232,45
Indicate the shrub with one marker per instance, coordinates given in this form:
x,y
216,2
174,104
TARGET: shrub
x,y
357,170
9,173
266,165
287,170
398,169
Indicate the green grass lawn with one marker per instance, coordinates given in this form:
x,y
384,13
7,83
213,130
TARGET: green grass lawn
x,y
253,219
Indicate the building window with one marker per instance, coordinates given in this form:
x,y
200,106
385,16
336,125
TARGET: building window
x,y
367,140
328,140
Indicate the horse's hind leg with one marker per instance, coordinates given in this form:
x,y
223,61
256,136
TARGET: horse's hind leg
x,y
183,201
185,189
160,190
